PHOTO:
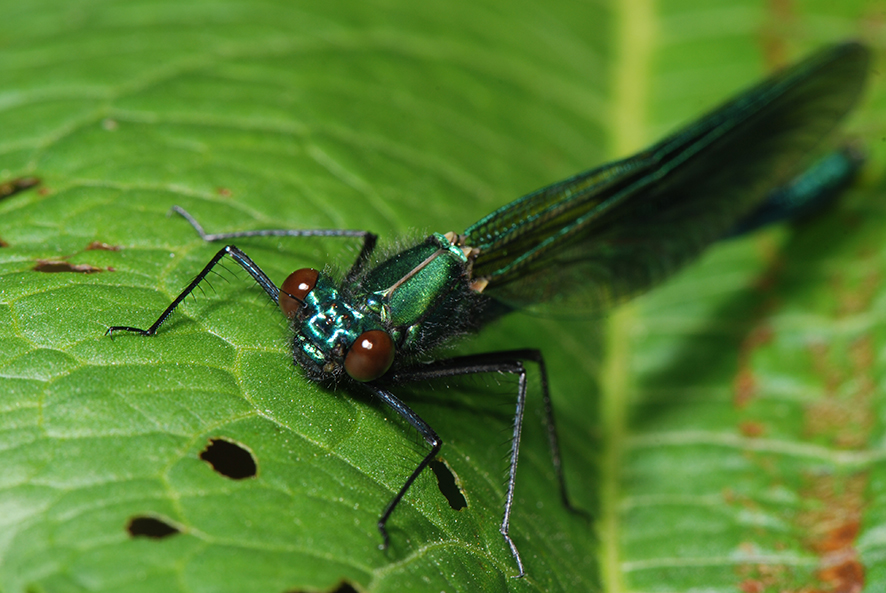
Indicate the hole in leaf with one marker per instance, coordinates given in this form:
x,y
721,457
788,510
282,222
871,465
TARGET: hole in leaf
x,y
54,267
13,186
342,588
150,527
230,459
448,485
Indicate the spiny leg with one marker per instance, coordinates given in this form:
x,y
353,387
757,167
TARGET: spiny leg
x,y
485,363
369,239
550,422
488,362
238,256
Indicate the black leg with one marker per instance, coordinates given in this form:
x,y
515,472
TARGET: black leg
x,y
535,356
425,431
369,239
238,256
469,365
498,362
490,362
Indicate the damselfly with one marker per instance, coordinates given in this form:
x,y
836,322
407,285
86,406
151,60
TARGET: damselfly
x,y
586,243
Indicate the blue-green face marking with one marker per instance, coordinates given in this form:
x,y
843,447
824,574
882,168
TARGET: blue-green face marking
x,y
328,326
398,297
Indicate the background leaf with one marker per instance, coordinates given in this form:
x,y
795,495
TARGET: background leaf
x,y
725,430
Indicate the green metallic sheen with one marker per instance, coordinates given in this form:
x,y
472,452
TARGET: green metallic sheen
x,y
334,323
411,295
601,237
410,302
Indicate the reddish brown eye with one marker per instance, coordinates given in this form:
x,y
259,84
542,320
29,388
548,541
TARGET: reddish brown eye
x,y
371,356
298,284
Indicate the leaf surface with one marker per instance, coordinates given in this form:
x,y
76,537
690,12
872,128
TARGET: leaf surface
x,y
725,431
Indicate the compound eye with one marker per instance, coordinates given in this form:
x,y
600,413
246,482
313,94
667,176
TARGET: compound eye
x,y
371,356
298,285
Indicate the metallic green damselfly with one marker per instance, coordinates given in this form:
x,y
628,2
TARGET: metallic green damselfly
x,y
586,243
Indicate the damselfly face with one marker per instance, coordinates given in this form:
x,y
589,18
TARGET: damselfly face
x,y
334,335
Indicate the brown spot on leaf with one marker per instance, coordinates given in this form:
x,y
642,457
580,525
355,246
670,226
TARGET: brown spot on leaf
x,y
14,186
744,385
844,415
224,192
55,267
833,525
752,429
832,504
99,246
765,577
752,586
61,265
781,17
857,297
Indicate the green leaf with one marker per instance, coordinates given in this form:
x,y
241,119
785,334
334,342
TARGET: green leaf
x,y
725,431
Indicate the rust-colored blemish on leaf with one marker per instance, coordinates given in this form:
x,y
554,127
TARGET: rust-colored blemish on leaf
x,y
54,267
845,577
224,192
832,504
14,186
99,246
844,415
756,578
752,586
822,365
833,526
744,385
782,18
859,296
872,22
752,429
774,52
61,265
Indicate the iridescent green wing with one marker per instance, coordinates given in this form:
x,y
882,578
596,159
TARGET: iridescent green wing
x,y
603,236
